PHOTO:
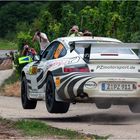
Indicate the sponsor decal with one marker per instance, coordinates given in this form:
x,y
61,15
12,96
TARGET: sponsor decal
x,y
115,67
63,62
90,84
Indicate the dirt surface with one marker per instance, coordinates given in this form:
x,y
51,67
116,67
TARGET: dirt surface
x,y
11,90
7,132
5,63
117,121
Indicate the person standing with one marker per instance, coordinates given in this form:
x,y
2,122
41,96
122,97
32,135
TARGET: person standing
x,y
42,39
74,31
28,51
87,33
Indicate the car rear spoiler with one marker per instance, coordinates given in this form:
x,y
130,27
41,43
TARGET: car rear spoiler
x,y
103,44
98,44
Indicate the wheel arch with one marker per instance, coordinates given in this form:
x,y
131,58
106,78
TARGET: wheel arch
x,y
22,74
49,73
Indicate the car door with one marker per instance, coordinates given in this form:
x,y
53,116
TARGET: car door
x,y
39,68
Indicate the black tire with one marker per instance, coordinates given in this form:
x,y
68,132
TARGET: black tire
x,y
52,105
26,103
103,105
134,107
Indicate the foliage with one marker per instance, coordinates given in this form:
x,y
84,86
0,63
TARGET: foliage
x,y
7,45
118,19
22,39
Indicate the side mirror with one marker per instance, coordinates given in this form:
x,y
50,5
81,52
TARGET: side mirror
x,y
37,58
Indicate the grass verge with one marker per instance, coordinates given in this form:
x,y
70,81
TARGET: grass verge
x,y
38,129
11,86
12,79
7,45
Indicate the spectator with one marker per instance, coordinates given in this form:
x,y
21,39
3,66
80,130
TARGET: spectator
x,y
74,31
42,39
87,33
27,51
12,55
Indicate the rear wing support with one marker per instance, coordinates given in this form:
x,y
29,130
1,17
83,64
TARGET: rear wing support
x,y
87,53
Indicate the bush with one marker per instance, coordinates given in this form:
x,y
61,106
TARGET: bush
x,y
22,38
135,37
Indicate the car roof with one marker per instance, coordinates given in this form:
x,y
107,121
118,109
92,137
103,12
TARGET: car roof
x,y
86,38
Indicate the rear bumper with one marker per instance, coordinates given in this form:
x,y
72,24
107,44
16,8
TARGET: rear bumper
x,y
87,87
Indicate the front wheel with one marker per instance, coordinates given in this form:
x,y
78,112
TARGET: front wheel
x,y
52,105
26,103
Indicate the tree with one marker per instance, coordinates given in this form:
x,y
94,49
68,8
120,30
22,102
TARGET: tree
x,y
113,24
70,19
127,10
91,20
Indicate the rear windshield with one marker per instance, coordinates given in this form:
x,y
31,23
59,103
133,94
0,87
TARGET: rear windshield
x,y
80,50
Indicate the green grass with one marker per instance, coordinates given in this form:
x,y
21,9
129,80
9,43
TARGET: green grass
x,y
38,128
12,79
7,45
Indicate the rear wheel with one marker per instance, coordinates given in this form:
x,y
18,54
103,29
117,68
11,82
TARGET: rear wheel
x,y
135,107
26,103
52,105
102,104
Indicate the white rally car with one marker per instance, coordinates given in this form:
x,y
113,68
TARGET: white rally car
x,y
96,70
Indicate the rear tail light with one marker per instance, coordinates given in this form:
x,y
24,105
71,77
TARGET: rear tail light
x,y
81,69
109,54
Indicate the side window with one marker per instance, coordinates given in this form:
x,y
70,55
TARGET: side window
x,y
48,53
60,51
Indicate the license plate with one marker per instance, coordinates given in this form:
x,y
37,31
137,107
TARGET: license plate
x,y
114,86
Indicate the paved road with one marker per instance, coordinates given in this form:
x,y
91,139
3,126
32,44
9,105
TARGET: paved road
x,y
117,121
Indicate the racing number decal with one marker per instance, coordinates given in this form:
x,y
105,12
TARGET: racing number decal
x,y
58,51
